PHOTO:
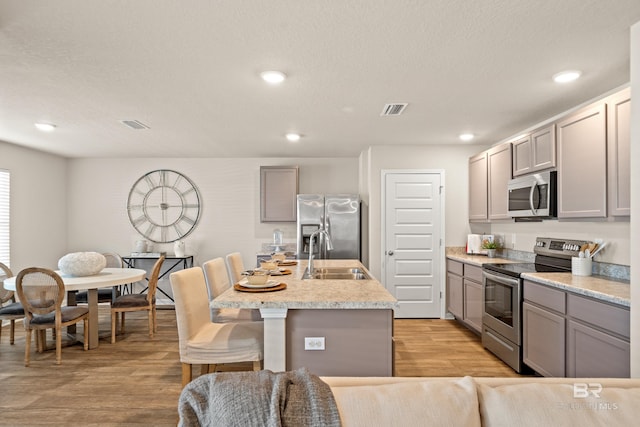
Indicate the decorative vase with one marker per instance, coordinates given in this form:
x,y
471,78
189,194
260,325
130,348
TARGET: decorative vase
x,y
81,264
178,248
141,246
491,253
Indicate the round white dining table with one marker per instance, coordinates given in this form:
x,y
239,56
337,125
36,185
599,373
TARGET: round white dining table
x,y
106,278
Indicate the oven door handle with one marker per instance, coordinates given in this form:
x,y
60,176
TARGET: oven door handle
x,y
501,279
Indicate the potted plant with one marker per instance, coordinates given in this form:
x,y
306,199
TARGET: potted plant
x,y
490,246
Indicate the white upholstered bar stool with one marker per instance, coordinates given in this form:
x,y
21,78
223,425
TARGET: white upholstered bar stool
x,y
236,266
217,279
204,342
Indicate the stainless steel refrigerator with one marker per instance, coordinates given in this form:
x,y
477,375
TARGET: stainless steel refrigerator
x,y
339,214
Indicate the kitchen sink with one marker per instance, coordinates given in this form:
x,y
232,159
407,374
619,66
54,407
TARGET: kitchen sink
x,y
337,273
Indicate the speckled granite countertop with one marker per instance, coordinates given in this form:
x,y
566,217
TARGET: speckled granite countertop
x,y
314,294
458,254
602,288
599,287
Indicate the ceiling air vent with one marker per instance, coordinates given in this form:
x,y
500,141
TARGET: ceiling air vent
x,y
134,124
393,109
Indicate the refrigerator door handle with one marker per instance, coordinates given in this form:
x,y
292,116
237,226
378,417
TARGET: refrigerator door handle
x,y
327,228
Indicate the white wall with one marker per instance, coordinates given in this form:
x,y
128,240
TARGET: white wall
x,y
230,189
635,202
38,206
452,159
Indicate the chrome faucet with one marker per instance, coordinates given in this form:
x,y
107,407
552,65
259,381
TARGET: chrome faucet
x,y
329,247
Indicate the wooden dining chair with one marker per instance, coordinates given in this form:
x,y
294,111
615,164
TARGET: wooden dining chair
x,y
217,281
41,292
105,295
9,309
137,302
204,342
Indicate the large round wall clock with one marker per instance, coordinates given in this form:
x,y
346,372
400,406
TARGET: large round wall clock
x,y
164,206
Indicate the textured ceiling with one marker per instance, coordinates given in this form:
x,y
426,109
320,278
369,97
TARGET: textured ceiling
x,y
189,70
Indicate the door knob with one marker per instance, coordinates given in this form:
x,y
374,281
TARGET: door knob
x,y
390,253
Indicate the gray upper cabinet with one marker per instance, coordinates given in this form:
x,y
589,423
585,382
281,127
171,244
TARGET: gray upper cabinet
x,y
618,146
489,174
535,152
522,156
543,143
478,206
499,174
278,191
582,164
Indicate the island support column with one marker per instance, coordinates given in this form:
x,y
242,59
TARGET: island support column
x,y
275,341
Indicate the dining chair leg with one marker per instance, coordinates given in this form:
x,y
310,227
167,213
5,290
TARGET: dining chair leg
x,y
150,323
41,340
186,374
114,322
58,347
86,334
12,331
122,323
27,347
155,320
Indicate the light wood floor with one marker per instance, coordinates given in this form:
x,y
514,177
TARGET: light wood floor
x,y
136,381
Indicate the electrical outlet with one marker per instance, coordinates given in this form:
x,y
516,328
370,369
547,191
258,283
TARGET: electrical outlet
x,y
314,343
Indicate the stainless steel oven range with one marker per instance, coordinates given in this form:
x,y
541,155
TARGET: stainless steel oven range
x,y
502,297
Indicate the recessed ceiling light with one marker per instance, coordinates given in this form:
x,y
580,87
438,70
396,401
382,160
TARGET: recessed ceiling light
x,y
45,127
466,136
567,76
273,77
293,137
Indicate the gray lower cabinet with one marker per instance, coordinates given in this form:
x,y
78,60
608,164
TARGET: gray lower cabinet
x,y
571,335
473,304
597,338
596,354
543,341
464,293
455,292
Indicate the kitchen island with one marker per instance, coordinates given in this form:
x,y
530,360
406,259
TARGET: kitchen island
x,y
351,319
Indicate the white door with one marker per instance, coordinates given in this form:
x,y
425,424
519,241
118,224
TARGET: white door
x,y
412,233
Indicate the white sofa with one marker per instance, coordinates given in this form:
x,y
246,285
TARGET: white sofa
x,y
398,401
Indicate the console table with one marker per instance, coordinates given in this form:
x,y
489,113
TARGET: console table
x,y
173,263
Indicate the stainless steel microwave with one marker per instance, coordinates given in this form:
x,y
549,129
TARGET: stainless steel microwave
x,y
533,196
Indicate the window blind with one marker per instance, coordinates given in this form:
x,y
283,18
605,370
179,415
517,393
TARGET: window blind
x,y
4,216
